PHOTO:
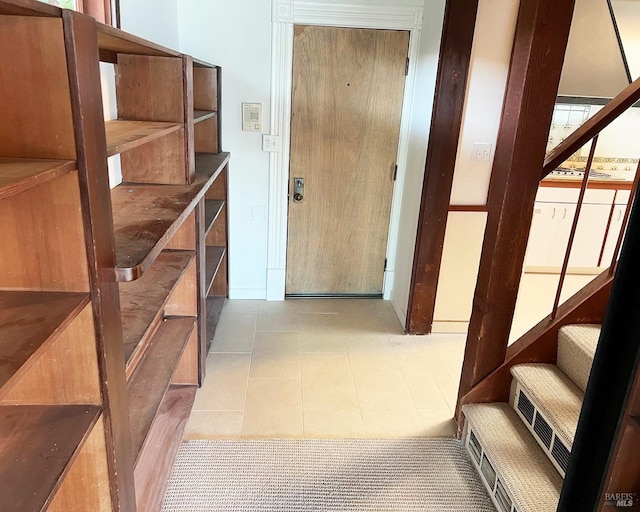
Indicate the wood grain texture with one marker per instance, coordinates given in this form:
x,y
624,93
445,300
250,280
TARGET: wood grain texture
x,y
35,112
217,233
185,237
84,77
205,88
212,209
29,321
142,302
124,135
189,114
186,372
29,8
541,35
220,285
210,165
150,88
159,161
145,219
213,258
183,300
446,121
20,174
113,41
206,136
158,455
202,305
148,384
38,445
66,372
348,87
47,219
219,188
90,465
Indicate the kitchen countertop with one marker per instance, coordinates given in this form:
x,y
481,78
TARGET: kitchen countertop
x,y
598,179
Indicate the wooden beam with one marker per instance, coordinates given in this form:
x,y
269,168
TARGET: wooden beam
x,y
540,40
84,78
446,121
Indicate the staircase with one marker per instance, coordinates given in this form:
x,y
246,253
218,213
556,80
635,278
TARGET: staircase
x,y
521,449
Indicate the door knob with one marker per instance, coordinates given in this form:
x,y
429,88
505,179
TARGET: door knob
x,y
297,197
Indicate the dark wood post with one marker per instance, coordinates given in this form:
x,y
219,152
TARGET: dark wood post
x,y
446,120
540,41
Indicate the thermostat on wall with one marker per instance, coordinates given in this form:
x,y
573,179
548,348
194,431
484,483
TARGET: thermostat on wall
x,y
251,117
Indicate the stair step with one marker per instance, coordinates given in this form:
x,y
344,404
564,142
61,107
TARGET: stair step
x,y
514,468
549,403
576,349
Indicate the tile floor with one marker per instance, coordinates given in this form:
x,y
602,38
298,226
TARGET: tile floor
x,y
324,368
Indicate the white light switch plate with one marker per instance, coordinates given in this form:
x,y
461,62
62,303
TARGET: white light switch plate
x,y
270,143
481,152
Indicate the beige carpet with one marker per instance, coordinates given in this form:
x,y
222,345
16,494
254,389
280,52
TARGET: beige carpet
x,y
422,474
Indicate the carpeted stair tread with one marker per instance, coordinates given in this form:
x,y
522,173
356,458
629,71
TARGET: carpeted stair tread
x,y
554,394
523,468
576,348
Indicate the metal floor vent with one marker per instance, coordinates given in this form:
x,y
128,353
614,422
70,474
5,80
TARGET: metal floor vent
x,y
543,432
488,475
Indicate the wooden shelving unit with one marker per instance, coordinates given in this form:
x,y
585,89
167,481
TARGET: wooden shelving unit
x,y
108,297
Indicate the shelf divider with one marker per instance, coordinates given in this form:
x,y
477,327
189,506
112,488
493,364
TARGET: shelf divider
x,y
149,382
214,310
39,444
28,321
213,260
201,115
123,135
20,174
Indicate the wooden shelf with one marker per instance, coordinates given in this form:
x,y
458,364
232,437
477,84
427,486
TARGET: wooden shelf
x,y
20,174
203,64
210,165
123,135
158,454
38,446
112,41
213,260
214,310
212,209
148,384
145,218
201,115
28,320
142,301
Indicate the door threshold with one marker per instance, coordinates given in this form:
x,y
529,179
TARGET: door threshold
x,y
333,295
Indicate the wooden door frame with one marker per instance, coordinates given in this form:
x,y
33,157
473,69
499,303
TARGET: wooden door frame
x,y
286,14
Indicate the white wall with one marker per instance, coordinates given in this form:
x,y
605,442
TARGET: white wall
x,y
155,20
628,18
237,36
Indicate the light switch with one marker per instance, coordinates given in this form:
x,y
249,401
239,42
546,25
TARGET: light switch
x,y
270,143
481,152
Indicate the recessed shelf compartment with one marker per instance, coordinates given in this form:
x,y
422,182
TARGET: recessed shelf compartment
x,y
214,310
212,209
38,446
213,261
20,174
201,115
142,301
150,380
123,135
158,454
210,165
28,321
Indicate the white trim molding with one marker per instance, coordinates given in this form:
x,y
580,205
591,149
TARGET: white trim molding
x,y
285,14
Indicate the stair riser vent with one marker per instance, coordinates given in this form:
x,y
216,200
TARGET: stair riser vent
x,y
542,431
491,480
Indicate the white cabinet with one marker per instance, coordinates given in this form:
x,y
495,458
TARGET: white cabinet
x,y
617,218
554,212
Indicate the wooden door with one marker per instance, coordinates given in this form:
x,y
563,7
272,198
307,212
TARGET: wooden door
x,y
348,86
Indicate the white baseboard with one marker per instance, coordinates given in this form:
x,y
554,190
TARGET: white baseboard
x,y
400,312
276,280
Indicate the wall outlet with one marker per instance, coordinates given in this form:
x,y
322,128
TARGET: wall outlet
x,y
270,143
481,152
258,213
